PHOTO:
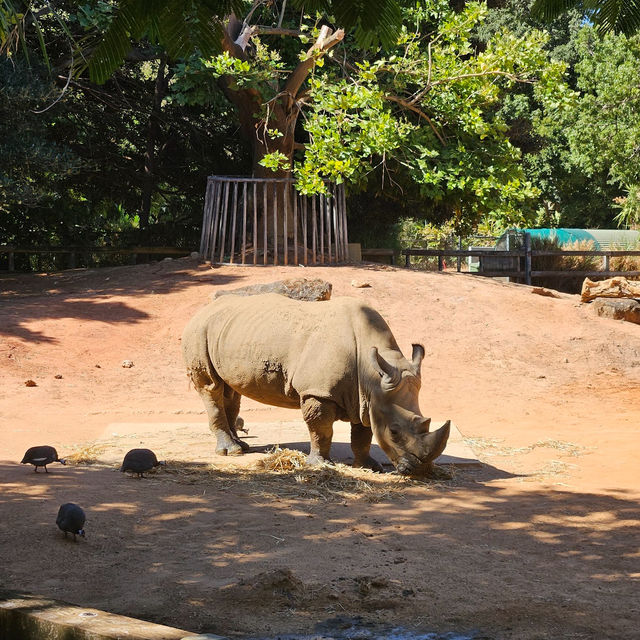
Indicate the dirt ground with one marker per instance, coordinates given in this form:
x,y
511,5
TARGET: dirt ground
x,y
539,542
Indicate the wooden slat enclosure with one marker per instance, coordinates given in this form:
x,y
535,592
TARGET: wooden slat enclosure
x,y
266,221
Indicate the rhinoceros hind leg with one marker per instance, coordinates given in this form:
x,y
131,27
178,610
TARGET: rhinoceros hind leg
x,y
212,395
232,409
361,445
319,416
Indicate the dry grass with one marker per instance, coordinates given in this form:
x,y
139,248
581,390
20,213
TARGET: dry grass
x,y
87,454
494,447
283,473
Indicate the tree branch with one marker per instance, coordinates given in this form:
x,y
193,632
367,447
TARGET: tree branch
x,y
325,41
422,114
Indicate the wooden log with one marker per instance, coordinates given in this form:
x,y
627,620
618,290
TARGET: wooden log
x,y
617,287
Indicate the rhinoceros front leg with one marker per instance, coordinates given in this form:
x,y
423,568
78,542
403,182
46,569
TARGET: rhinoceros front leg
x,y
361,445
319,416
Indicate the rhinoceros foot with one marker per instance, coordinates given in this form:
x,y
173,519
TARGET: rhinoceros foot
x,y
369,463
316,460
230,450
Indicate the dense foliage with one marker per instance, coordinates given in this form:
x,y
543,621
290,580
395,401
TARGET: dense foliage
x,y
468,119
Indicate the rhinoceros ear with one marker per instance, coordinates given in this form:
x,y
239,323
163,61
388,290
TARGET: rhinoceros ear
x,y
416,357
390,375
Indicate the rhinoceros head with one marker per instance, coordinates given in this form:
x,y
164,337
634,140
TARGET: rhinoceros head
x,y
400,429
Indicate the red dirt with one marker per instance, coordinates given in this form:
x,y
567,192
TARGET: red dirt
x,y
541,542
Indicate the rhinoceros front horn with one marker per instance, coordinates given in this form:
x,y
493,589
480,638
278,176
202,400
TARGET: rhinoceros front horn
x,y
435,442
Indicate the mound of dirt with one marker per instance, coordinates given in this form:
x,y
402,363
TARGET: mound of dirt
x,y
538,543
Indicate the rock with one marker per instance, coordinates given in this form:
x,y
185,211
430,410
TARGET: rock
x,y
617,309
195,255
58,376
167,259
358,284
30,383
297,288
127,364
617,287
541,291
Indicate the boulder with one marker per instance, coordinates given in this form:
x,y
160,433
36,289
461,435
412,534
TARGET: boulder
x,y
297,288
618,309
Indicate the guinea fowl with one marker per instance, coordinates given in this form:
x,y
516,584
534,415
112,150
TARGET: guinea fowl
x,y
71,519
41,457
140,460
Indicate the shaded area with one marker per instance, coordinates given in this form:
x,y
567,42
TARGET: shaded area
x,y
223,556
87,294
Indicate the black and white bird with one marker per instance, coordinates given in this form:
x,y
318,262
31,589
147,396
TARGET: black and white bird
x,y
41,457
71,519
140,460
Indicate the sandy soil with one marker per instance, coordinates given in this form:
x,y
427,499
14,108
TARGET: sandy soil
x,y
540,542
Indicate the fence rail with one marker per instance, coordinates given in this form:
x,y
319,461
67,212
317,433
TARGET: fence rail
x,y
87,253
523,258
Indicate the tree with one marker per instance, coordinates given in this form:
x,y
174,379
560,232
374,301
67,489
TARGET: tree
x,y
604,131
619,16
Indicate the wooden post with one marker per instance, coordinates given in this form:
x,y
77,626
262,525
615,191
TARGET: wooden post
x,y
233,222
440,262
407,259
314,231
305,228
275,224
459,258
12,263
210,249
527,258
334,213
264,219
225,208
255,223
244,220
206,218
295,224
345,238
321,216
285,230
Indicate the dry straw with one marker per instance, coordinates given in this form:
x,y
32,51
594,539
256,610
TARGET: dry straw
x,y
283,473
87,454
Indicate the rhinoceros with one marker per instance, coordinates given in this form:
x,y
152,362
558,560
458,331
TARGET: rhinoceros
x,y
336,360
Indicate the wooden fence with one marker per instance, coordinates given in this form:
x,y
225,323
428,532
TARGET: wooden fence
x,y
522,259
71,254
266,221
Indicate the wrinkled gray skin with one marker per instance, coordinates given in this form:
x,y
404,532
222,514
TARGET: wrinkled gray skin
x,y
335,359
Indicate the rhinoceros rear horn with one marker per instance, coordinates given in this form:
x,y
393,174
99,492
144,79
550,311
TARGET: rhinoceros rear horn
x,y
416,357
390,375
436,441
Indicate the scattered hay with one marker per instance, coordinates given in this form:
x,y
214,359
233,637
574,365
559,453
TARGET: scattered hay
x,y
88,454
282,460
494,447
283,474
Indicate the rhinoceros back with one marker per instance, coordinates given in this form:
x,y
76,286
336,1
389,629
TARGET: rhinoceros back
x,y
277,351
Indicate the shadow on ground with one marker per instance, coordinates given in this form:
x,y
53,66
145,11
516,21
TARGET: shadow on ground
x,y
234,554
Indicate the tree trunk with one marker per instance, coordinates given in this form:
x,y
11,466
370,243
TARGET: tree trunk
x,y
153,131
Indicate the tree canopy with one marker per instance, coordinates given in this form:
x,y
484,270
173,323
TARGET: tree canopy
x,y
471,116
